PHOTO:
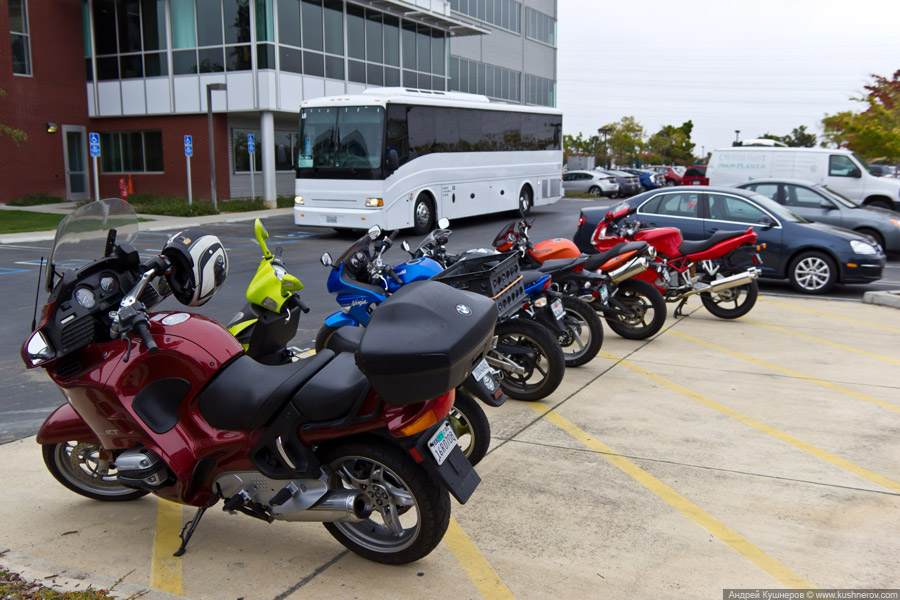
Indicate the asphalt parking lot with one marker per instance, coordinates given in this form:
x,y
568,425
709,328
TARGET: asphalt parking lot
x,y
756,453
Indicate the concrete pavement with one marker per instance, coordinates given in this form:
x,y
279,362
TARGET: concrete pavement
x,y
756,453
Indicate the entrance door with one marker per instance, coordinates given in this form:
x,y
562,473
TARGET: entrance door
x,y
75,152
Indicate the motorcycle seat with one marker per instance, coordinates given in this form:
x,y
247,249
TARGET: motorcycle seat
x,y
345,339
529,277
692,247
247,394
560,264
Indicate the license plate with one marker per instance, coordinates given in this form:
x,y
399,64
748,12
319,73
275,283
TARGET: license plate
x,y
604,294
330,219
558,310
480,370
442,443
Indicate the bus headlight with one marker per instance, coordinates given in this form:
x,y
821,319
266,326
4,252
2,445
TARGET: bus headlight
x,y
374,202
298,200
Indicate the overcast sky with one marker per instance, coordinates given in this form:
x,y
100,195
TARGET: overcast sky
x,y
760,66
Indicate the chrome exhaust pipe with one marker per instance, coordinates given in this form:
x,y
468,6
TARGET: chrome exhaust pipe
x,y
725,283
637,265
342,505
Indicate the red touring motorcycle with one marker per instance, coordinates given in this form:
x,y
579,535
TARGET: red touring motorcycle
x,y
168,403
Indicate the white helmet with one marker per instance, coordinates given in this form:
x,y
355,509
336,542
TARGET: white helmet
x,y
199,265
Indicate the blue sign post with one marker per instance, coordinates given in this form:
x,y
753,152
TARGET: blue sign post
x,y
251,149
188,153
94,144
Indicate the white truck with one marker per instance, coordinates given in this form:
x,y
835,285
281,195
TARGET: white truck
x,y
841,170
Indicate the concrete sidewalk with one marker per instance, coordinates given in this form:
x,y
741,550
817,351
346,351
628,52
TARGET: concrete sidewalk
x,y
156,222
754,453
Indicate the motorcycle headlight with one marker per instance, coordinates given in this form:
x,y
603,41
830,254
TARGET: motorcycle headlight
x,y
862,247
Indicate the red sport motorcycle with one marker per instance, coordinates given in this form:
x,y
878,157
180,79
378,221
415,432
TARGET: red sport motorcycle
x,y
716,268
168,402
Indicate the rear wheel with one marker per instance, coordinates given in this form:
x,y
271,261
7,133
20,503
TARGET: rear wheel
x,y
880,203
875,235
595,191
411,509
86,469
731,303
646,310
584,332
471,427
813,273
529,358
324,334
423,215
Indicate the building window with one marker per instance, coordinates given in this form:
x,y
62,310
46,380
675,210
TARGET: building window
x,y
539,90
540,27
479,78
286,151
18,33
131,152
505,14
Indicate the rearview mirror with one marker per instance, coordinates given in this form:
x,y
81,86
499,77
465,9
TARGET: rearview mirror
x,y
405,245
443,223
374,232
826,205
326,260
855,173
393,159
766,222
261,236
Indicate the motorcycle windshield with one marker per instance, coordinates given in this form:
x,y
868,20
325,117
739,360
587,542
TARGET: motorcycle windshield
x,y
81,236
359,245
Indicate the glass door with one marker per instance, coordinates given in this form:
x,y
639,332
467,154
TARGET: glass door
x,y
75,152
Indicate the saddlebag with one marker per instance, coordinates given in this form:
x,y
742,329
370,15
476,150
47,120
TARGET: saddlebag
x,y
422,341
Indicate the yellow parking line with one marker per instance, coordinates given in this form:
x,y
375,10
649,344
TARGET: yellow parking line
x,y
777,434
165,569
768,365
829,315
825,342
731,538
479,570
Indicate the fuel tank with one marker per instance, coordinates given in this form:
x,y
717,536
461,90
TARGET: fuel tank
x,y
555,248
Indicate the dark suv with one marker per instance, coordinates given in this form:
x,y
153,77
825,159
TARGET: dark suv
x,y
695,175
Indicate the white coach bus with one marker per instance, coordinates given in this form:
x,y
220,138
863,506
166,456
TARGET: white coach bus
x,y
402,158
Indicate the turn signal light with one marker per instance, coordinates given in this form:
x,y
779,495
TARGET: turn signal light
x,y
440,410
374,202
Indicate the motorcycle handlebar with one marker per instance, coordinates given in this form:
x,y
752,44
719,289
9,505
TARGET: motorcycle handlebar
x,y
141,328
392,275
301,305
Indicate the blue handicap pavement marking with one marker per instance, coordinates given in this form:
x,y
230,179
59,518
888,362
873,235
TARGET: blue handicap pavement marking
x,y
8,271
301,235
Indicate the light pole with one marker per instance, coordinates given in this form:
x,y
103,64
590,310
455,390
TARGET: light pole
x,y
604,131
737,135
210,87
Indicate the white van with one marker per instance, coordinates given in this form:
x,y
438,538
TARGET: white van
x,y
841,170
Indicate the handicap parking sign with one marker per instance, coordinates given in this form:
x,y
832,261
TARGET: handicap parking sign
x,y
251,143
94,143
188,146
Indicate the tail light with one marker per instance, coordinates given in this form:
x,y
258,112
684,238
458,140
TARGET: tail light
x,y
402,423
581,219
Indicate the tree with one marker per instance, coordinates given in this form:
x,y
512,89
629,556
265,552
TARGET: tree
x,y
798,138
875,132
625,140
671,145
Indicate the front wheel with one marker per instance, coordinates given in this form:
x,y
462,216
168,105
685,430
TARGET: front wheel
x,y
813,273
584,332
526,201
423,215
646,310
411,509
530,359
731,303
471,425
86,469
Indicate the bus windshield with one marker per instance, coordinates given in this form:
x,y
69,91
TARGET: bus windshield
x,y
346,138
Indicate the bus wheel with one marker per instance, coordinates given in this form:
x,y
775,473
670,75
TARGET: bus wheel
x,y
525,201
423,215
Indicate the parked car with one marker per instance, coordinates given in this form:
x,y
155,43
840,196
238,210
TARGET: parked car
x,y
595,183
818,203
629,184
672,175
695,175
648,179
812,256
841,170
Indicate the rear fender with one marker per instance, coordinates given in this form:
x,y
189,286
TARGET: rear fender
x,y
65,425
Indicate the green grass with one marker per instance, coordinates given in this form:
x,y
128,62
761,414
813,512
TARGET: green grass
x,y
152,204
35,200
18,221
14,587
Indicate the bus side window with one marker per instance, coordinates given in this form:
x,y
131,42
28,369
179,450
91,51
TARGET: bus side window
x,y
421,130
397,138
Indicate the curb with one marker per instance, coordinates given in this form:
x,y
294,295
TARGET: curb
x,y
61,578
888,298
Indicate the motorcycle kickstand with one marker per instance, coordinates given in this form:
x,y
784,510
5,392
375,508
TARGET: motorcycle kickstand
x,y
188,530
678,314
